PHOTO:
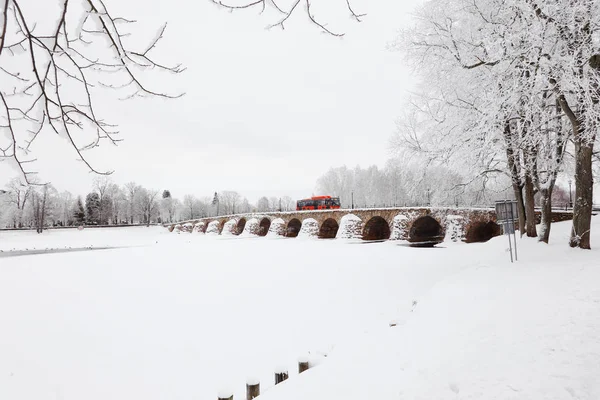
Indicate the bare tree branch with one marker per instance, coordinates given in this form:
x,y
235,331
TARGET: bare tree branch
x,y
34,94
287,12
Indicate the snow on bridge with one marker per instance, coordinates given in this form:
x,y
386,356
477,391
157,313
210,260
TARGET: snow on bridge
x,y
425,225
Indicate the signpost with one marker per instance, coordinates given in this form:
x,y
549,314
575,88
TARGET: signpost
x,y
506,214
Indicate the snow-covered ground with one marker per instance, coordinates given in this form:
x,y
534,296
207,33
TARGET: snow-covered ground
x,y
185,316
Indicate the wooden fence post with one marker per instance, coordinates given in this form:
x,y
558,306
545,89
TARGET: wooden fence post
x,y
252,389
225,396
280,377
302,365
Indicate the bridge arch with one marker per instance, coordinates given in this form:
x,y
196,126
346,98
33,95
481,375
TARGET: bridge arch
x,y
482,231
264,226
329,229
239,227
293,228
426,231
376,228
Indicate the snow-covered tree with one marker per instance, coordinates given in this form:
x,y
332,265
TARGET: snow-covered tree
x,y
287,203
229,200
45,205
169,207
263,204
494,72
64,210
190,204
245,206
118,203
131,193
148,200
19,194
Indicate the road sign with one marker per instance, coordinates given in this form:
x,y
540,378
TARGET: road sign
x,y
506,211
506,214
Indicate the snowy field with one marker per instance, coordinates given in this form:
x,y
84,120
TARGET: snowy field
x,y
186,316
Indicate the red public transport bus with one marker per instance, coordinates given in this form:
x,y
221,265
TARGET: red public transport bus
x,y
318,203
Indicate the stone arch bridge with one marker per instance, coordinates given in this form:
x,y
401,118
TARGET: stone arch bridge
x,y
421,226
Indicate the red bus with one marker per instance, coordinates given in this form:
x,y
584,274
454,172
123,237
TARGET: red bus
x,y
318,203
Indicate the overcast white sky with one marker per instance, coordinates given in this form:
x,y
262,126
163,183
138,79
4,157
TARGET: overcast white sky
x,y
265,112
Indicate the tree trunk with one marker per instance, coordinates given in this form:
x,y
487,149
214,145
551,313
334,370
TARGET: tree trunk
x,y
582,207
518,190
584,181
546,200
530,207
515,178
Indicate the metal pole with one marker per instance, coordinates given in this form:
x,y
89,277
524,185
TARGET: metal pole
x,y
509,242
506,225
570,195
353,199
512,221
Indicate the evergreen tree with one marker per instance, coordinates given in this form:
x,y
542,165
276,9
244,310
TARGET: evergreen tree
x,y
79,214
166,194
106,207
92,208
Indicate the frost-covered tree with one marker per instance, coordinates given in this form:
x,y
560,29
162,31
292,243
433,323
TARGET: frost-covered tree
x,y
287,203
169,207
274,203
103,185
118,204
44,206
263,204
19,194
500,79
190,204
148,205
337,182
131,193
5,209
245,206
229,200
64,208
